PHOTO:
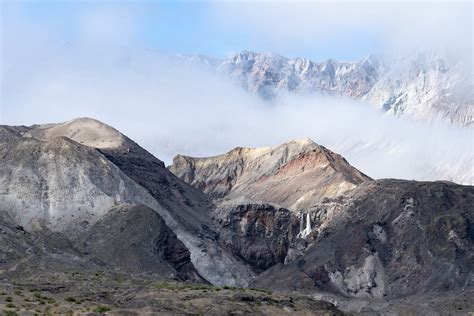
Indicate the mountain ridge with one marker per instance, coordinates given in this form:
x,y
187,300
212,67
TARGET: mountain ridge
x,y
421,86
261,173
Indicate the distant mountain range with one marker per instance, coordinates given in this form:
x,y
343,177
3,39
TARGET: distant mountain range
x,y
423,86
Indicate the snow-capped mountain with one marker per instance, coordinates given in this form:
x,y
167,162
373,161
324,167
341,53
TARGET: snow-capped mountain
x,y
422,86
426,87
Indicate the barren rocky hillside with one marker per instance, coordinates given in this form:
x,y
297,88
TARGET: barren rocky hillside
x,y
81,198
68,176
371,240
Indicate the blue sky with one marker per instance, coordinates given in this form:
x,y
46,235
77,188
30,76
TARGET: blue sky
x,y
189,27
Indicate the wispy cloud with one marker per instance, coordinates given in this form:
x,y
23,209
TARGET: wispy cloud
x,y
171,108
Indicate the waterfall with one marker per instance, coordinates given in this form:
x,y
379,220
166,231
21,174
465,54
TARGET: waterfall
x,y
304,232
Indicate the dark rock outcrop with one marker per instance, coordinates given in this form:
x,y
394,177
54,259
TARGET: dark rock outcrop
x,y
136,239
387,239
130,239
24,251
258,233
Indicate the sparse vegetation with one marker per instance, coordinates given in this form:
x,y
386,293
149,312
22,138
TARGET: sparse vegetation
x,y
184,286
262,291
89,296
102,309
233,288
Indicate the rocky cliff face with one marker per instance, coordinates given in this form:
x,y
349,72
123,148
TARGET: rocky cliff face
x,y
292,175
260,234
386,239
422,86
67,177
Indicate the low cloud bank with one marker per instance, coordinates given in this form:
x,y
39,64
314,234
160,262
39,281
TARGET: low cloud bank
x,y
171,108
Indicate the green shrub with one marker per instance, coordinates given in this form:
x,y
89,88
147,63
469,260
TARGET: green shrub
x,y
102,309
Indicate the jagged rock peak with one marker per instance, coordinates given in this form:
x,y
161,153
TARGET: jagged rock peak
x,y
424,86
247,54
